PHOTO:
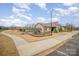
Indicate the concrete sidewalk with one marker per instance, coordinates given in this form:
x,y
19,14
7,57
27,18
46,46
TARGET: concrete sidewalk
x,y
32,48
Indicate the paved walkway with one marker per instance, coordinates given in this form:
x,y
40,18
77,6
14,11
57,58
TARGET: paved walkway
x,y
31,48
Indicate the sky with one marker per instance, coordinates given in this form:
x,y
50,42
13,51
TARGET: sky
x,y
21,14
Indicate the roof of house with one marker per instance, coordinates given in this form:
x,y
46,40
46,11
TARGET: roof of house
x,y
54,24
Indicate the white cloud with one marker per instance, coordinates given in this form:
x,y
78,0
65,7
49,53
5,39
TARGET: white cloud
x,y
5,22
12,22
12,16
41,19
76,15
16,10
18,22
29,14
73,9
63,12
23,5
55,19
16,19
21,13
68,4
24,16
41,5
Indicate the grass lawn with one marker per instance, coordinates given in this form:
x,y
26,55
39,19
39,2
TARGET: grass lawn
x,y
31,38
7,46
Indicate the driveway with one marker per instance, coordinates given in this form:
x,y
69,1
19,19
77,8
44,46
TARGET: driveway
x,y
31,48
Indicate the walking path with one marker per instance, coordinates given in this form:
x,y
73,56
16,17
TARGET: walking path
x,y
31,48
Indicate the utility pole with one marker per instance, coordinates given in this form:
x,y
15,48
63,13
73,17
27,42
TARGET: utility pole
x,y
51,20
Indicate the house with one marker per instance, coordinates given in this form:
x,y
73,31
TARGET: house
x,y
46,27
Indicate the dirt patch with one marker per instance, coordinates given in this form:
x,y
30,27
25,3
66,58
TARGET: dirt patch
x,y
7,46
31,38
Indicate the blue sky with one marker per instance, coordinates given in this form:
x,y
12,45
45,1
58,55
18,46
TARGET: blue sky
x,y
21,14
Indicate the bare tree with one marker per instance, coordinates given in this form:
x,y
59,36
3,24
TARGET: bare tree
x,y
69,27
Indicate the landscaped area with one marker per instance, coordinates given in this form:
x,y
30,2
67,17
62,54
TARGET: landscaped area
x,y
28,44
13,38
7,46
31,38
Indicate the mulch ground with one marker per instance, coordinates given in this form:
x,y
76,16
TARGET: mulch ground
x,y
7,46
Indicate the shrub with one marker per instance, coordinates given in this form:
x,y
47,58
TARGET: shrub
x,y
56,30
61,28
23,30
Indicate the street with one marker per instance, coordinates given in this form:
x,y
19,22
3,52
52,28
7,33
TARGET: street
x,y
69,49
